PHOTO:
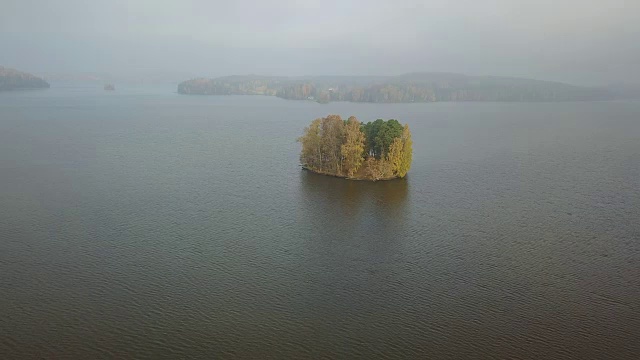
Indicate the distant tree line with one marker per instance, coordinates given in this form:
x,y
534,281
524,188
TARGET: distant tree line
x,y
348,148
231,85
418,87
11,79
407,93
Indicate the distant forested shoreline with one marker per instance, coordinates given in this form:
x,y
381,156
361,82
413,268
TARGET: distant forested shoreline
x,y
415,87
11,79
378,150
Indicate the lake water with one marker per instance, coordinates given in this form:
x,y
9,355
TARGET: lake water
x,y
146,224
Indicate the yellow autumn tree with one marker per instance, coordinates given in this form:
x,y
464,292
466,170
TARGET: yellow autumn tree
x,y
394,156
332,133
311,154
353,147
407,153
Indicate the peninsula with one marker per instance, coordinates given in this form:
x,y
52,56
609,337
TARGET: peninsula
x,y
407,88
378,150
11,79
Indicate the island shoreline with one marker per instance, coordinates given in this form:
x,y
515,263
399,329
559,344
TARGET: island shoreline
x,y
305,168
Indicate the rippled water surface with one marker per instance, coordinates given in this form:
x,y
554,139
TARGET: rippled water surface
x,y
145,224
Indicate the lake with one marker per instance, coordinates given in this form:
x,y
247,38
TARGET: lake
x,y
146,224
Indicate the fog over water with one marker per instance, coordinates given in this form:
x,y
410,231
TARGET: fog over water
x,y
579,41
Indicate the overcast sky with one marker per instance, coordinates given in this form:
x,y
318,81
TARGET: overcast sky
x,y
579,41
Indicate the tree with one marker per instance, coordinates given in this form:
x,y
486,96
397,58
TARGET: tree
x,y
371,130
377,169
353,147
311,154
387,131
395,155
332,130
407,152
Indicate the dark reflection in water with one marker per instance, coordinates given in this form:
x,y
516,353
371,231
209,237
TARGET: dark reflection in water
x,y
355,231
352,195
360,209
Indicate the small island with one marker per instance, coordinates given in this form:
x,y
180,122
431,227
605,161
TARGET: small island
x,y
109,87
11,79
378,150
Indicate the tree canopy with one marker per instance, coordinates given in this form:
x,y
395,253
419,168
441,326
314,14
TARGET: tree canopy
x,y
348,148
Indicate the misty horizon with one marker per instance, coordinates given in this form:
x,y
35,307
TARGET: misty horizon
x,y
583,43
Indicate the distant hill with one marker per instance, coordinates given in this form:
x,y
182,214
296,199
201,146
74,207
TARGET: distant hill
x,y
413,87
624,90
234,85
11,79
